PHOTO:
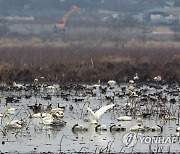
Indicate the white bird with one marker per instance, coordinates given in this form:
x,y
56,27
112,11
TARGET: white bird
x,y
16,124
157,78
47,120
124,118
178,134
99,113
10,110
1,115
17,85
97,85
58,114
57,110
36,80
131,81
51,87
58,122
117,128
78,127
35,115
139,127
136,77
127,105
52,119
140,120
133,94
131,87
156,128
111,83
178,129
170,118
39,115
100,128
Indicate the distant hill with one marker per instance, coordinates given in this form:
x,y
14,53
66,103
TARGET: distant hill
x,y
40,8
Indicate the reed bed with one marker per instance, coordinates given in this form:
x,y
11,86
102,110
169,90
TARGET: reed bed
x,y
87,61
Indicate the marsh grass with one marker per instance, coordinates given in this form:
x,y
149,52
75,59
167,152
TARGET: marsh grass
x,y
71,61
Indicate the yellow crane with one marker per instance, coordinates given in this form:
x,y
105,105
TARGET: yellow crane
x,y
62,25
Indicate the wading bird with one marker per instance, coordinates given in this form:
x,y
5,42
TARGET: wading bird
x,y
98,113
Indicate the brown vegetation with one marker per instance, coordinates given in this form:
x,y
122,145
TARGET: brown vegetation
x,y
87,61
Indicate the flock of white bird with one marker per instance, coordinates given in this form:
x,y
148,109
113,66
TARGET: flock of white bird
x,y
139,127
55,115
55,118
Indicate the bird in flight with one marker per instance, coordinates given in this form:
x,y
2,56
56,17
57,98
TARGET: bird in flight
x,y
96,115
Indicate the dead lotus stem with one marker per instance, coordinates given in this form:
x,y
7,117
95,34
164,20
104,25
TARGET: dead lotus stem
x,y
110,146
3,131
96,150
82,149
16,114
61,142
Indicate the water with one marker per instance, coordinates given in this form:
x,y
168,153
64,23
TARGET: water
x,y
39,138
